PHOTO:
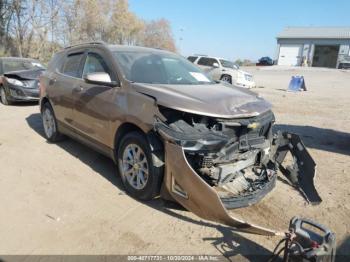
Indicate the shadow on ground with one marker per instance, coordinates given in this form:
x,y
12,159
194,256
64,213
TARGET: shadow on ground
x,y
343,250
230,244
320,138
23,104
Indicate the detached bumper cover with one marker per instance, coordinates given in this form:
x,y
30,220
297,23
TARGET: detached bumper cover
x,y
191,191
302,172
17,93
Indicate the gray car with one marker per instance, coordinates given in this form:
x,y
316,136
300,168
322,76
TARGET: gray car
x,y
19,79
171,129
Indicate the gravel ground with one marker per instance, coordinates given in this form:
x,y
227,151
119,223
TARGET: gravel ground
x,y
65,198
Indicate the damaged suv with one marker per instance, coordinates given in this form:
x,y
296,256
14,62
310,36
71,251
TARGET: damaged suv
x,y
171,129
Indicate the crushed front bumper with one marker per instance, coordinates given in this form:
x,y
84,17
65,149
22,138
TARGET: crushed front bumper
x,y
17,94
185,186
245,83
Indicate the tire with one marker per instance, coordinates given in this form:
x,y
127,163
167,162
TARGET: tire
x,y
3,95
50,124
142,180
226,78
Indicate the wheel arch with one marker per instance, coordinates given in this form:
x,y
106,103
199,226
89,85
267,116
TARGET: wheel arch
x,y
43,101
152,137
226,74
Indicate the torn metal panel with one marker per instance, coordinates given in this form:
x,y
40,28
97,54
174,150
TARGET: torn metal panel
x,y
303,170
191,191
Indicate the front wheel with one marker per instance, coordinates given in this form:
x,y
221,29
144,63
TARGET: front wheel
x,y
50,124
3,95
140,177
227,79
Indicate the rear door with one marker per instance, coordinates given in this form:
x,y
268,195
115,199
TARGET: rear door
x,y
94,102
62,83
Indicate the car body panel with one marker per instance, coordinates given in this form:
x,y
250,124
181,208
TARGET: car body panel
x,y
217,100
187,188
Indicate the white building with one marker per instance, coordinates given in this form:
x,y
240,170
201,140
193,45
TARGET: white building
x,y
316,46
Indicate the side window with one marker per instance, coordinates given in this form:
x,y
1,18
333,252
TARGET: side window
x,y
192,58
72,65
205,61
95,64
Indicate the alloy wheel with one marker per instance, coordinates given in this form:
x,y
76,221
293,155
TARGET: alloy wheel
x,y
3,96
226,79
49,123
135,166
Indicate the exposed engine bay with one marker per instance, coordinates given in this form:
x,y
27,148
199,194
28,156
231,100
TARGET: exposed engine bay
x,y
239,158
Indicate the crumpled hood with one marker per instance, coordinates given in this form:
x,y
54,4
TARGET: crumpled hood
x,y
216,100
25,74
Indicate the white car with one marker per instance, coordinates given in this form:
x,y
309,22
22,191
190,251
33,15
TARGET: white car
x,y
224,70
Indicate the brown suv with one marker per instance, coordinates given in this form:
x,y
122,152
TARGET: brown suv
x,y
171,129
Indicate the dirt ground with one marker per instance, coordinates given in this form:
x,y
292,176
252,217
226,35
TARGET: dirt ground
x,y
65,198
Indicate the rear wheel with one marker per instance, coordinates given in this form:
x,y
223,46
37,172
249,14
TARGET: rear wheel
x,y
226,78
50,124
3,95
140,177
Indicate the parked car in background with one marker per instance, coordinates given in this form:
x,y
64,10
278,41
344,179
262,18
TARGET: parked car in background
x,y
224,70
19,79
171,129
265,61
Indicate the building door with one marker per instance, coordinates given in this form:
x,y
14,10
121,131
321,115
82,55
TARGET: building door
x,y
290,55
325,56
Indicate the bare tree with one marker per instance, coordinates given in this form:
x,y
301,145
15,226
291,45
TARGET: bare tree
x,y
158,34
4,18
125,26
38,28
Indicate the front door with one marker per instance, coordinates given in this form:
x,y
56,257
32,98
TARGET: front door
x,y
93,102
62,84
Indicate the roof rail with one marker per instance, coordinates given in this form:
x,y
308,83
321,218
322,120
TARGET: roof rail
x,y
199,55
86,43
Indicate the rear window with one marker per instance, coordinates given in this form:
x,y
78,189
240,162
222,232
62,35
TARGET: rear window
x,y
205,61
192,58
72,67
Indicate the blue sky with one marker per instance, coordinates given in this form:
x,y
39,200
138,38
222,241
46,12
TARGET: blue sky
x,y
239,29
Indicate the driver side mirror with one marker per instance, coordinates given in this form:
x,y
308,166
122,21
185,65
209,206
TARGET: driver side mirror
x,y
99,79
216,65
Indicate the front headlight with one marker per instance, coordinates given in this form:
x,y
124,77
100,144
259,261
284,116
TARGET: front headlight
x,y
15,82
